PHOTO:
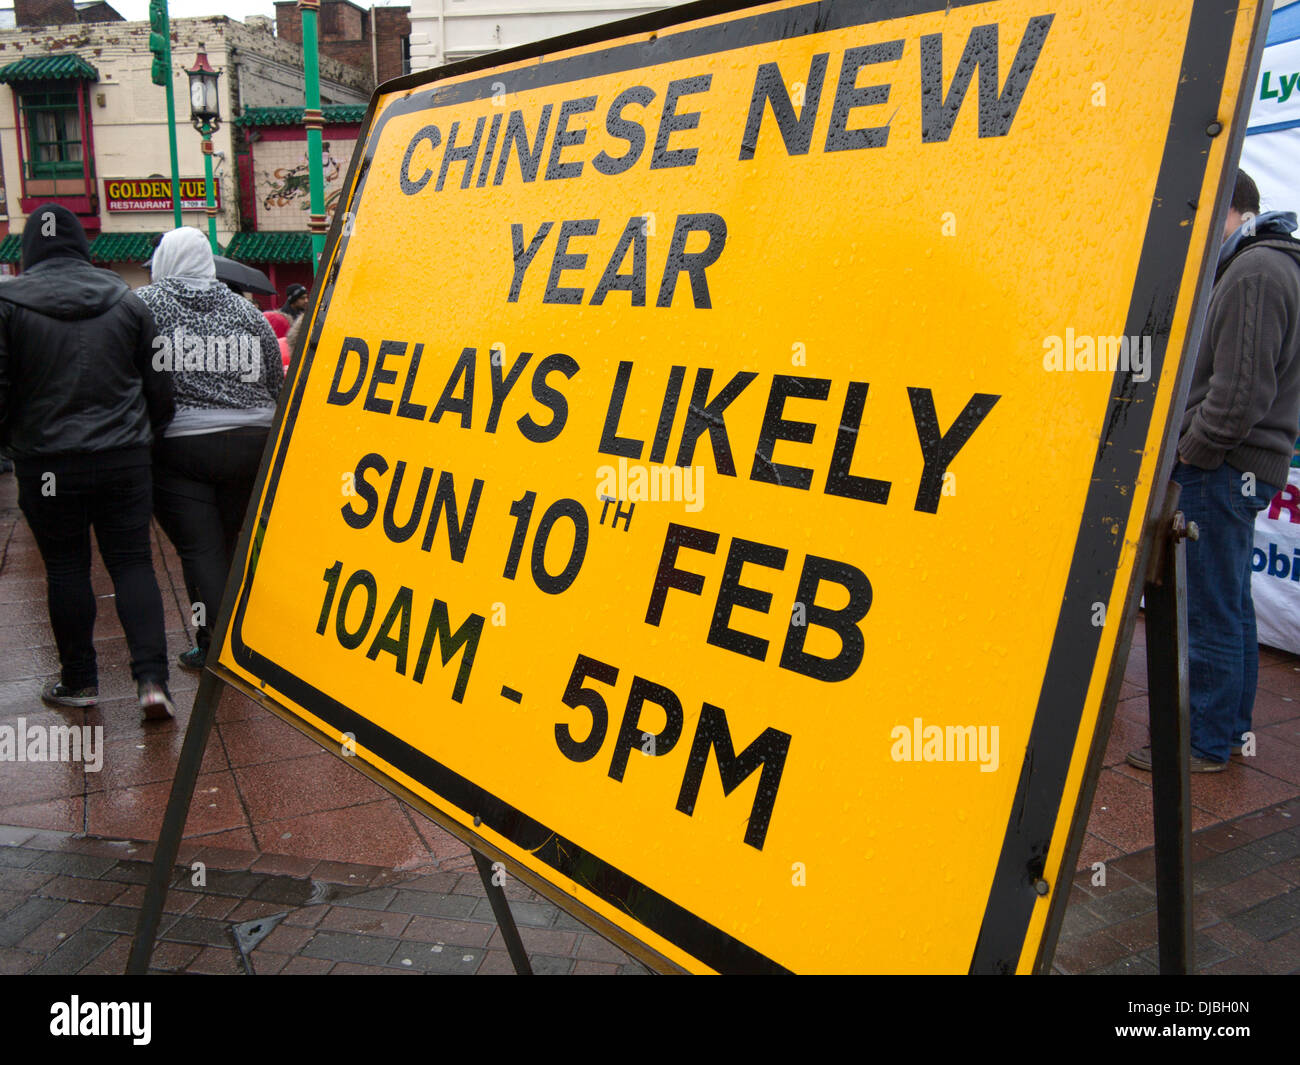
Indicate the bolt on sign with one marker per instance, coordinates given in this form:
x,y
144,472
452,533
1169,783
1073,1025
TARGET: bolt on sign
x,y
716,474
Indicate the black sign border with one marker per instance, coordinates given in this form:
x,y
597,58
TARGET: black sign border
x,y
1194,124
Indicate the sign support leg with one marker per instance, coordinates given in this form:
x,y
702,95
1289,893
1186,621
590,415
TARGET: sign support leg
x,y
505,919
1166,627
173,826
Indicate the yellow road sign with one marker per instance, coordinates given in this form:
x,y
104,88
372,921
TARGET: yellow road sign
x,y
716,474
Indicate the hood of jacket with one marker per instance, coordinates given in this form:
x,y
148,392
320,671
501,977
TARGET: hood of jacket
x,y
1281,242
1272,226
65,288
52,231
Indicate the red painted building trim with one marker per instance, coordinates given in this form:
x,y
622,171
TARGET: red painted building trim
x,y
273,301
88,148
22,148
85,141
247,189
299,133
81,206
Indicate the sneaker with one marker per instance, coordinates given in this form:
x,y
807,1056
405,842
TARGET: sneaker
x,y
1141,759
56,693
193,659
155,701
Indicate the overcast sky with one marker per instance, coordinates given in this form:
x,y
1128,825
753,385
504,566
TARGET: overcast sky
x,y
138,10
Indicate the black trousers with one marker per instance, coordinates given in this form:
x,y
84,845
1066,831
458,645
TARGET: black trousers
x,y
201,489
118,503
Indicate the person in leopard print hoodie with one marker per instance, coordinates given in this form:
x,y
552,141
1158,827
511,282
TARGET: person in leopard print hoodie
x,y
225,365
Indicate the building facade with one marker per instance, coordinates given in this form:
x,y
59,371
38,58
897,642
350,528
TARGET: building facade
x,y
82,124
444,31
271,162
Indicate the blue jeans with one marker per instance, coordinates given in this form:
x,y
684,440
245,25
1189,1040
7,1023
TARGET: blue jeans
x,y
1223,651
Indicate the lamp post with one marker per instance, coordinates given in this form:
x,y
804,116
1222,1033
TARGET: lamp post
x,y
160,44
205,114
314,119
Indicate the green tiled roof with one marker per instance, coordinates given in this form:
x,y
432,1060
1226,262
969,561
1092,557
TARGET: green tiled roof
x,y
122,247
270,247
45,67
335,115
11,248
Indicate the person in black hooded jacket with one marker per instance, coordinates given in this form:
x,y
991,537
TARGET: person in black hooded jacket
x,y
80,403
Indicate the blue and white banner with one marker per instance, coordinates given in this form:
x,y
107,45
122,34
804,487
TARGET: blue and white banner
x,y
1271,153
1275,583
1277,95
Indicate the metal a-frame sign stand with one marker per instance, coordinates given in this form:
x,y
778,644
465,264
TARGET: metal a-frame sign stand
x,y
1166,652
178,807
1169,710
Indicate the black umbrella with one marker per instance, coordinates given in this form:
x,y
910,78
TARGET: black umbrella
x,y
242,276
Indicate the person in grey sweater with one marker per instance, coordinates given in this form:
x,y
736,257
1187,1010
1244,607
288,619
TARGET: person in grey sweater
x,y
1234,449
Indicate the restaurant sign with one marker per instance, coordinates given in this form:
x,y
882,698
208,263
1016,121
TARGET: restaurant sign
x,y
155,194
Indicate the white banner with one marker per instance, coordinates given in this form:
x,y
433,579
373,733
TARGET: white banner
x,y
1273,160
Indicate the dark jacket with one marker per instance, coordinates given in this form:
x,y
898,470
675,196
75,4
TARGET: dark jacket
x,y
1244,400
77,383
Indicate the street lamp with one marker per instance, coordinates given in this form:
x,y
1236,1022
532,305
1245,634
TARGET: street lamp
x,y
205,114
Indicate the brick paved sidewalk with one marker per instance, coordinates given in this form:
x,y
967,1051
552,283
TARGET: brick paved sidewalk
x,y
1246,904
69,904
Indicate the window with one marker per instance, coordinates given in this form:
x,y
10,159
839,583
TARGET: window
x,y
53,134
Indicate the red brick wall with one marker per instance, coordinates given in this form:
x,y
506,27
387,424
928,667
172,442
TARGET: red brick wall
x,y
44,12
288,21
391,25
353,53
341,21
60,13
344,34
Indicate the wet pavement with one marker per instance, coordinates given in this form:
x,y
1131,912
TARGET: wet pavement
x,y
70,905
277,818
1245,905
